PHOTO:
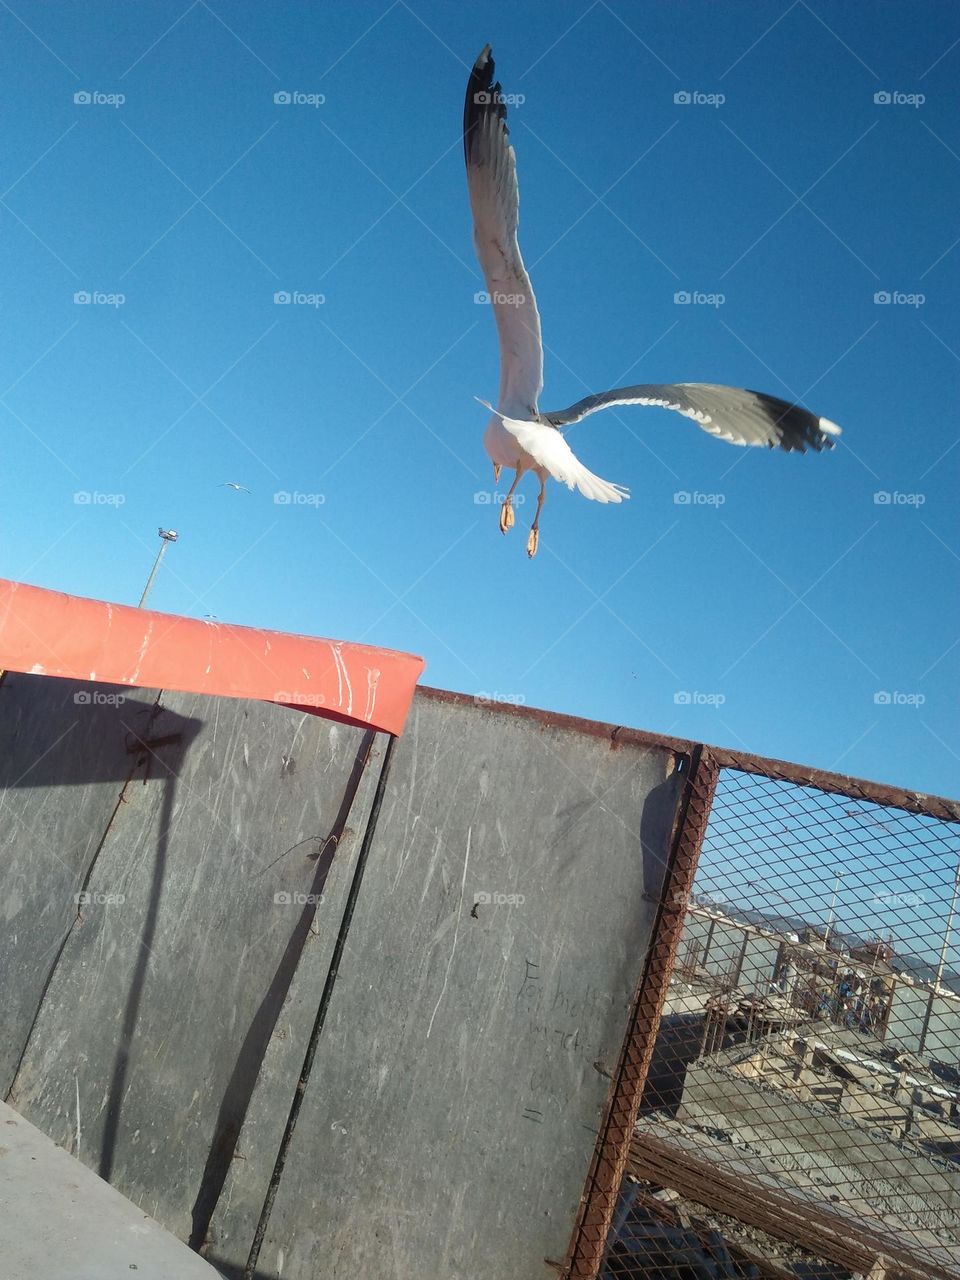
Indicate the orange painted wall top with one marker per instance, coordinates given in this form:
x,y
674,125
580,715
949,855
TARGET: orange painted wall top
x,y
50,633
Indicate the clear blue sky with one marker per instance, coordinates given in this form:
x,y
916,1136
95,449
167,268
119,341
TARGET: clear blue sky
x,y
798,199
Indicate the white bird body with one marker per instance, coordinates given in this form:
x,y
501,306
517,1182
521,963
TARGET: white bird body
x,y
503,448
532,446
519,435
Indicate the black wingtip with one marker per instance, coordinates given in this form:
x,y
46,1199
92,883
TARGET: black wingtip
x,y
483,97
798,428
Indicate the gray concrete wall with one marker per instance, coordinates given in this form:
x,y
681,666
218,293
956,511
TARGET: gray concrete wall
x,y
158,1031
498,942
63,765
906,1024
154,1000
720,951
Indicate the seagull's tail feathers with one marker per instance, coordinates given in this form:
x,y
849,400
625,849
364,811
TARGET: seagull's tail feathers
x,y
592,486
550,450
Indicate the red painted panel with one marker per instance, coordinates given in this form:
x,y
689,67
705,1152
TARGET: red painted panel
x,y
50,633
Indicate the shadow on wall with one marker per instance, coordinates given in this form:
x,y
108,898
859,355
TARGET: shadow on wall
x,y
93,749
106,740
239,1090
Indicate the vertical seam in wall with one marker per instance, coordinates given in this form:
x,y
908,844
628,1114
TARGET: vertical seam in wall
x,y
219,1157
320,1019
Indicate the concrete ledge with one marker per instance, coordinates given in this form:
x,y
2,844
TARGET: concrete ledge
x,y
59,1221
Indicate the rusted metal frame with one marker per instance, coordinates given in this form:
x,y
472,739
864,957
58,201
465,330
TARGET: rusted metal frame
x,y
780,770
599,1199
616,734
829,1231
739,1251
840,784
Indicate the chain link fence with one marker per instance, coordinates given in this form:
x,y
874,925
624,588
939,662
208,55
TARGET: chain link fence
x,y
801,1113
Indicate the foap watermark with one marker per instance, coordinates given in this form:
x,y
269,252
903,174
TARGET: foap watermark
x,y
294,898
895,698
294,98
94,498
694,498
897,298
894,498
485,899
695,298
899,899
694,698
96,298
91,898
894,98
694,98
297,298
94,98
707,899
97,698
485,98
483,299
511,699
296,698
484,498
294,498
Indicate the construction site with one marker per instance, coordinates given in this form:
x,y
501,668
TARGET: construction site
x,y
800,1114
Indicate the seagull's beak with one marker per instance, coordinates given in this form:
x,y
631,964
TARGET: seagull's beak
x,y
496,473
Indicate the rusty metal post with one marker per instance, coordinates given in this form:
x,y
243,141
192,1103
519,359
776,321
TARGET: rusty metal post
x,y
607,1168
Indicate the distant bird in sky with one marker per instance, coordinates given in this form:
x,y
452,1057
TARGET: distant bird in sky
x,y
518,434
232,484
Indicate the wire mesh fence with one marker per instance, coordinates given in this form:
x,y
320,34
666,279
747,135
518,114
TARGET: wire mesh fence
x,y
801,1115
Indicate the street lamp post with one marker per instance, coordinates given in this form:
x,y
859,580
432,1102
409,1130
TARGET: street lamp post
x,y
838,876
166,537
942,963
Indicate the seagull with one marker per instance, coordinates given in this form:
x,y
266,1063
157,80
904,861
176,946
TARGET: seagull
x,y
521,436
232,484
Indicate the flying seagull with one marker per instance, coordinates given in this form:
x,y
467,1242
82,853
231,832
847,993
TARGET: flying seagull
x,y
521,436
232,484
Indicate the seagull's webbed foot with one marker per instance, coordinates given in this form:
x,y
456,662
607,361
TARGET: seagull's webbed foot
x,y
533,542
507,517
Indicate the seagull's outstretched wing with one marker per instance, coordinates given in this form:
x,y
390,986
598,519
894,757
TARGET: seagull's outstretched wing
x,y
741,417
494,198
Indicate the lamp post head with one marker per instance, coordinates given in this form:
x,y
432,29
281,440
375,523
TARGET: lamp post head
x,y
169,535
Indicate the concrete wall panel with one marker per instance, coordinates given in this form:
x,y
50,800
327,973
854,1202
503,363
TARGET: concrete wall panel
x,y
63,765
499,938
152,1030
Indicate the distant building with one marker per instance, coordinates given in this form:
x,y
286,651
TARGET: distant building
x,y
874,952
